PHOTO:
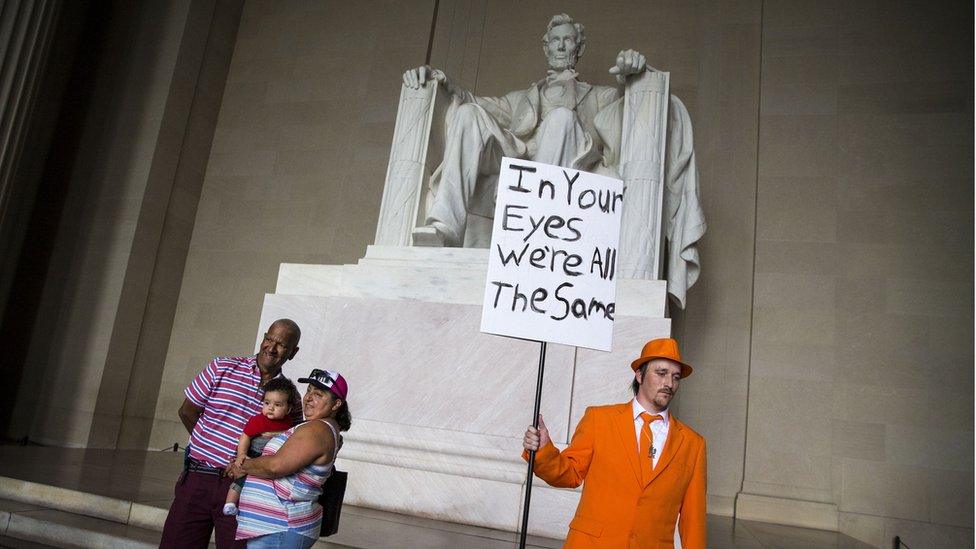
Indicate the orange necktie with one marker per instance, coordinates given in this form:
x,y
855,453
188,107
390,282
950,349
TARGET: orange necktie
x,y
646,442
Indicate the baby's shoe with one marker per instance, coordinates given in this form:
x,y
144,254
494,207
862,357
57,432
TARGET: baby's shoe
x,y
230,509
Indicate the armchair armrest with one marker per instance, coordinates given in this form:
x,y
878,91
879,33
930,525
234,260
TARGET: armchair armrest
x,y
642,164
417,149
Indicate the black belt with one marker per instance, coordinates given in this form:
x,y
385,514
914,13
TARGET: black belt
x,y
205,469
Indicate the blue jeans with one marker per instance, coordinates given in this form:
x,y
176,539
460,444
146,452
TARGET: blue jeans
x,y
281,540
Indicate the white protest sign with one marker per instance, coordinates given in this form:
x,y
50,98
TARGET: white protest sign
x,y
553,258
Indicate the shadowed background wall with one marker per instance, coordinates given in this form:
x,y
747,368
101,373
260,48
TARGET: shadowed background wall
x,y
832,326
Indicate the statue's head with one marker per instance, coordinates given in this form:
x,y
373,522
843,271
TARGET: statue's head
x,y
563,43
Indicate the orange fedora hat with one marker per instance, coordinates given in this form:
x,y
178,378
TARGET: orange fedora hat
x,y
662,348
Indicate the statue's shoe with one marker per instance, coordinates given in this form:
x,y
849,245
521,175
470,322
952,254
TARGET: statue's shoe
x,y
428,236
434,235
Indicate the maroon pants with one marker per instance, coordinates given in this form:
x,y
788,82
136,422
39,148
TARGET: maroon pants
x,y
196,510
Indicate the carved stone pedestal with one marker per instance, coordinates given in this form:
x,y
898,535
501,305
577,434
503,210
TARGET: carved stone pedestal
x,y
438,408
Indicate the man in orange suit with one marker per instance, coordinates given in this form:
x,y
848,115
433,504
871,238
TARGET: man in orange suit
x,y
641,466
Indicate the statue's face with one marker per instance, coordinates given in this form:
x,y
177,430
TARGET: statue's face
x,y
562,47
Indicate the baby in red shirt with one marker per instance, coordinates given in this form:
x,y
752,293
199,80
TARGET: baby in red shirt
x,y
274,419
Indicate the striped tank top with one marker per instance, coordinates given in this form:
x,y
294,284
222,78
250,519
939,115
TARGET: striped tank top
x,y
287,503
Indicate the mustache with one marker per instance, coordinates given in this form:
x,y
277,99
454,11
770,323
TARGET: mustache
x,y
667,391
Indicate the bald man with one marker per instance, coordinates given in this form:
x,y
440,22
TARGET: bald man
x,y
218,404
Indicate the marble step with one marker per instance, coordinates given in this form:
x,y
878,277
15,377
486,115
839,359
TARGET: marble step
x,y
68,500
14,543
36,525
42,514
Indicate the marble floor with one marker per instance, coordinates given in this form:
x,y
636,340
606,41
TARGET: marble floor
x,y
125,493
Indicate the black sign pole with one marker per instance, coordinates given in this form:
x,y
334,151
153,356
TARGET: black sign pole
x,y
535,423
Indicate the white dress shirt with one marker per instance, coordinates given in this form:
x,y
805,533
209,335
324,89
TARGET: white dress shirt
x,y
659,430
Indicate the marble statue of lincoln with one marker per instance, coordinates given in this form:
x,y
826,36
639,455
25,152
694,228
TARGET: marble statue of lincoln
x,y
555,121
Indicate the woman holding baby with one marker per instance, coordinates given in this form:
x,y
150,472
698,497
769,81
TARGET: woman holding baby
x,y
278,505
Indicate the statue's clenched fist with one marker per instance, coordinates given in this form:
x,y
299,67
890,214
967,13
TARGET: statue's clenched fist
x,y
415,78
628,62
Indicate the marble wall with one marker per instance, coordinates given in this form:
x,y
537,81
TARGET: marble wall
x,y
860,389
296,169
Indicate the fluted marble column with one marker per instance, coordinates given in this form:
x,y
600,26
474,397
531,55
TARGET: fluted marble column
x,y
26,28
25,32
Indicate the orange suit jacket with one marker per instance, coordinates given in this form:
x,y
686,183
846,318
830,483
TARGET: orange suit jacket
x,y
617,509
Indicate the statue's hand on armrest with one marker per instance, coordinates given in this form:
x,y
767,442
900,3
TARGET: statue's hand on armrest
x,y
415,78
628,62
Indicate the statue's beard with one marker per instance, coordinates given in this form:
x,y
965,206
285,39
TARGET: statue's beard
x,y
567,62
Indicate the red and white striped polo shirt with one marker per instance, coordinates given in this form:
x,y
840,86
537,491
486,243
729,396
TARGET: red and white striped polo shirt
x,y
229,392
